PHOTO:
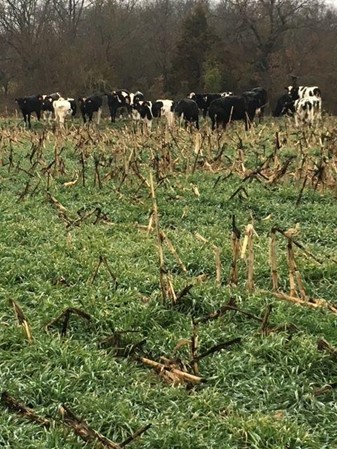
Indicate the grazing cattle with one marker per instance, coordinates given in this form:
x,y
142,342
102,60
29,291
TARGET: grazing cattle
x,y
307,110
260,96
226,109
118,99
299,92
144,109
62,109
188,110
28,105
90,105
284,106
47,105
164,108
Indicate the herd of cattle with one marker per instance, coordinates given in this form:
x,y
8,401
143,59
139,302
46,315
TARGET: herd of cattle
x,y
301,102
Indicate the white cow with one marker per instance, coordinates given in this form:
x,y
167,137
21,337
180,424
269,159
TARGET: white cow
x,y
62,109
307,110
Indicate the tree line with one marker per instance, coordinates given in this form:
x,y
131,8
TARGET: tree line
x,y
165,48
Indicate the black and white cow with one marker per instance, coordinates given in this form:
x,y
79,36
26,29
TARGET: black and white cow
x,y
73,105
284,106
260,96
307,110
164,108
28,105
118,99
188,110
47,105
303,91
144,109
226,109
90,105
135,98
299,92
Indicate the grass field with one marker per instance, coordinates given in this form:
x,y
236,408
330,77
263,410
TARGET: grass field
x,y
79,230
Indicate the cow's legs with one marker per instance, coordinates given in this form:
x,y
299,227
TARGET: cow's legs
x,y
99,113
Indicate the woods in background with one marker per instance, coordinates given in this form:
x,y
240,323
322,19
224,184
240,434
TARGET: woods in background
x,y
165,47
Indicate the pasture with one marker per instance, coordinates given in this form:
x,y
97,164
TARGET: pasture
x,y
153,279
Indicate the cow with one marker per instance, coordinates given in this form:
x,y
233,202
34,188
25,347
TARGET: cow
x,y
307,110
260,96
135,98
284,106
204,100
73,105
116,100
144,109
90,105
188,110
226,109
62,109
47,105
226,94
299,92
303,91
28,105
164,108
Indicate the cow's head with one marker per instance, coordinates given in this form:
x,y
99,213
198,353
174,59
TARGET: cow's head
x,y
293,91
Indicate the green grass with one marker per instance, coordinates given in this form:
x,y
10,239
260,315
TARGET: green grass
x,y
259,394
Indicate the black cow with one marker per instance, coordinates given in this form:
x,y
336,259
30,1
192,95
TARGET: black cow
x,y
226,109
90,105
260,96
28,105
188,110
203,101
284,106
118,99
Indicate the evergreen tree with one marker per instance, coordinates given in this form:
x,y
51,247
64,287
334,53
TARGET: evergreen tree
x,y
192,50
